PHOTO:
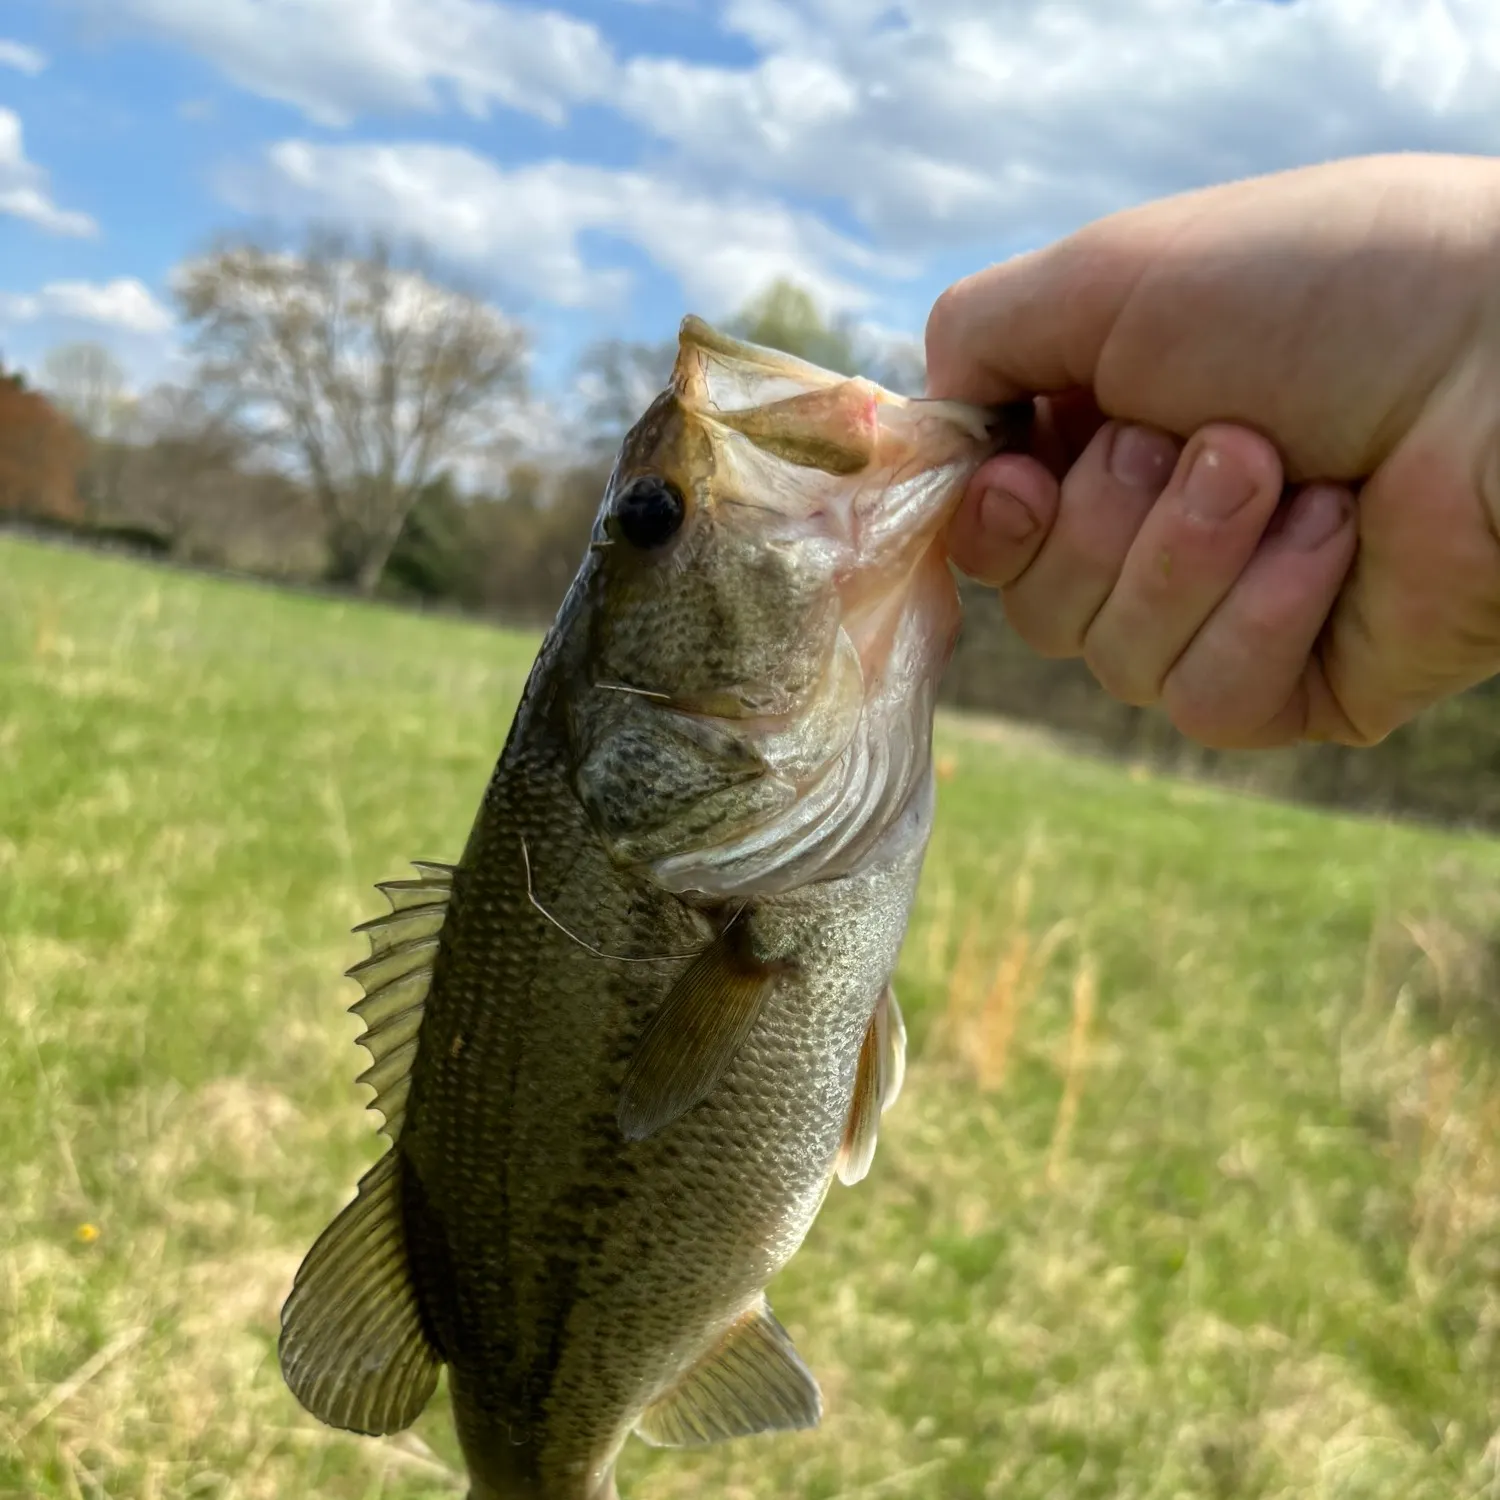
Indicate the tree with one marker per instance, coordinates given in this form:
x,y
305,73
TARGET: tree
x,y
189,447
39,455
787,317
898,364
368,375
88,383
619,380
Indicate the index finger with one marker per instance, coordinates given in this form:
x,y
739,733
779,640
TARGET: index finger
x,y
1029,326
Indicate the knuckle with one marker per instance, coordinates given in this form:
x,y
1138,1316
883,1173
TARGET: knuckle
x,y
1117,673
1040,629
1210,720
945,318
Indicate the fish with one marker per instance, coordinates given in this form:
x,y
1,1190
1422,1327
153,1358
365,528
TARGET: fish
x,y
625,1045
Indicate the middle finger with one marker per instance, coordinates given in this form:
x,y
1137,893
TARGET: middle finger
x,y
1184,559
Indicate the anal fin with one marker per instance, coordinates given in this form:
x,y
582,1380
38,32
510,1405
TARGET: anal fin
x,y
354,1350
693,1037
753,1381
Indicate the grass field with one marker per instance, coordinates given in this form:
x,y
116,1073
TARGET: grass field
x,y
1194,1190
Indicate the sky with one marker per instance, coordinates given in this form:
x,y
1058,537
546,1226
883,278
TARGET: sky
x,y
598,168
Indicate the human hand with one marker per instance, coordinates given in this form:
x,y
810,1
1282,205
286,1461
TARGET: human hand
x,y
1336,327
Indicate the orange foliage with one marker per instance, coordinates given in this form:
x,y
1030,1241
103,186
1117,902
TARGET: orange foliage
x,y
40,453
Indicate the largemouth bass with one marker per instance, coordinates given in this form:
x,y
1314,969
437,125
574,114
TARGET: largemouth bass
x,y
623,1047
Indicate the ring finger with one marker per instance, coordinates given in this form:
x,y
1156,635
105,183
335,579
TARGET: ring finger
x,y
1105,498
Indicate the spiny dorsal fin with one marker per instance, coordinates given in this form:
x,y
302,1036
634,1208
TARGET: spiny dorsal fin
x,y
877,1081
396,978
692,1039
353,1348
753,1381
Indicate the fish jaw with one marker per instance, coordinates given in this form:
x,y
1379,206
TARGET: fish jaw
x,y
782,645
875,474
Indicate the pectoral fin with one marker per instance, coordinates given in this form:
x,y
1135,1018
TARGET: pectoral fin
x,y
753,1381
892,1048
354,1350
877,1080
692,1039
858,1149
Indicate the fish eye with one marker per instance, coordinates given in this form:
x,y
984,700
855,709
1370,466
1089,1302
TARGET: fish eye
x,y
649,510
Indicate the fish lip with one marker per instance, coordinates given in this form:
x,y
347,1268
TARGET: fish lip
x,y
926,452
804,452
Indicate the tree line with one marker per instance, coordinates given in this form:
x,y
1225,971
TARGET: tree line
x,y
348,416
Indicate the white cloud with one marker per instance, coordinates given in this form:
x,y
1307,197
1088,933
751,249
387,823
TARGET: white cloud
x,y
942,121
337,59
933,121
23,186
523,226
124,303
968,127
22,58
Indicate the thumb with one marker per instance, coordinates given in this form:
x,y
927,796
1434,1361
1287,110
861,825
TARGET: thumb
x,y
1036,324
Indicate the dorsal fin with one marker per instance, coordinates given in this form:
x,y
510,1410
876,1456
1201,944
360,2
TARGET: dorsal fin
x,y
354,1350
752,1381
396,978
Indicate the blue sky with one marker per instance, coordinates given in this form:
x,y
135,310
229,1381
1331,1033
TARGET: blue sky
x,y
599,167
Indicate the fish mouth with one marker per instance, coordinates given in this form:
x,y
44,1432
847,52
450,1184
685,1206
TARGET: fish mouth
x,y
877,473
803,453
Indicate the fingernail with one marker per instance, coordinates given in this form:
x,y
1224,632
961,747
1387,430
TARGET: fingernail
x,y
1142,457
1003,514
1215,488
1315,515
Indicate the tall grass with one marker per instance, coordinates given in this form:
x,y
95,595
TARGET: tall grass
x,y
1193,1191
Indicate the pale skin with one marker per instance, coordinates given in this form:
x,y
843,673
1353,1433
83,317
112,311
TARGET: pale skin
x,y
1265,487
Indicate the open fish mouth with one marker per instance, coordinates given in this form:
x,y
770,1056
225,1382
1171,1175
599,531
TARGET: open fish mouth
x,y
889,460
804,462
878,475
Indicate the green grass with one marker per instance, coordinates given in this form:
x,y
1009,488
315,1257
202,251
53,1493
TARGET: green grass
x,y
1194,1190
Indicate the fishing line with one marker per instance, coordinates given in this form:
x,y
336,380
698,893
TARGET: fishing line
x,y
619,958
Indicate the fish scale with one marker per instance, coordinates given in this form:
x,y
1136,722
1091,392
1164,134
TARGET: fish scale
x,y
626,1044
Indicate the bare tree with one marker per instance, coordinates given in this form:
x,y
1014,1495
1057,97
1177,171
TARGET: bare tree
x,y
366,373
88,383
618,380
189,453
899,364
